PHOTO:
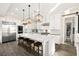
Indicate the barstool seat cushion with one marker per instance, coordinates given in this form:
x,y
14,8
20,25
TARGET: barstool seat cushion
x,y
21,38
26,39
31,41
37,44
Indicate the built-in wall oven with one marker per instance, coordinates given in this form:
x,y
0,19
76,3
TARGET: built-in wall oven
x,y
20,29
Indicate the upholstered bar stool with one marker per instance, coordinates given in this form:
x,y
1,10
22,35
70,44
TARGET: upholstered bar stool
x,y
25,41
38,45
30,44
20,40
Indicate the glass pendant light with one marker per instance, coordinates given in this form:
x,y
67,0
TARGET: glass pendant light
x,y
38,17
29,20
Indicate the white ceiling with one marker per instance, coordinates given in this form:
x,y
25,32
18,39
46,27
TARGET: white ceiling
x,y
4,8
65,6
10,8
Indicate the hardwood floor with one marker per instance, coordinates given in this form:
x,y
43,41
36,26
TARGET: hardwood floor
x,y
65,50
12,49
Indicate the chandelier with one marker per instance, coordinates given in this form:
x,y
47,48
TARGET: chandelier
x,y
38,17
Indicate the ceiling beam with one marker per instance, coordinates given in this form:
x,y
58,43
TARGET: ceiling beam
x,y
54,8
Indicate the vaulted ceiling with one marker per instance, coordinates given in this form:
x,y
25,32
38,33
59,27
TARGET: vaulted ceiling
x,y
15,9
66,6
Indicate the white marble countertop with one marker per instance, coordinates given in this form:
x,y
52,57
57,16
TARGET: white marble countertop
x,y
37,37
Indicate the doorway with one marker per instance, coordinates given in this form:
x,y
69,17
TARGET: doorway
x,y
69,30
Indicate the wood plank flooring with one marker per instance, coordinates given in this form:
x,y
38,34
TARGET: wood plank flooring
x,y
65,50
12,49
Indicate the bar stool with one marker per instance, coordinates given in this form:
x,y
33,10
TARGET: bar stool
x,y
25,41
20,41
38,44
30,44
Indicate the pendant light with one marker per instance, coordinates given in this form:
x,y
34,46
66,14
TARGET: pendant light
x,y
38,17
29,20
24,22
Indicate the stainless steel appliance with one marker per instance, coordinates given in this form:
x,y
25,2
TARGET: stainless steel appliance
x,y
8,31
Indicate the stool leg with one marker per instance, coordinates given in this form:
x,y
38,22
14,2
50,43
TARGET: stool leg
x,y
30,48
18,42
34,49
38,50
42,50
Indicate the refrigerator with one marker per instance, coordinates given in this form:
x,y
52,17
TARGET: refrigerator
x,y
8,31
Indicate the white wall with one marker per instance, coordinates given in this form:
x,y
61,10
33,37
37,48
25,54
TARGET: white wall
x,y
55,21
55,26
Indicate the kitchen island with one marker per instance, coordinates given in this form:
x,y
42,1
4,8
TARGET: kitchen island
x,y
48,41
